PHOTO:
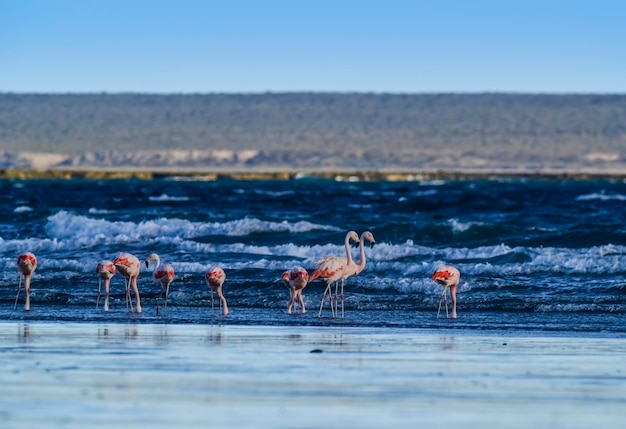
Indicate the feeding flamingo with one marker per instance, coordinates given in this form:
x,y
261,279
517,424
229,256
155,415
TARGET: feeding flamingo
x,y
129,267
163,274
448,277
215,279
331,269
296,280
26,263
105,270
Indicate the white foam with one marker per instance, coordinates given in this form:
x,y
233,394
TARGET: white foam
x,y
22,209
601,196
167,198
96,211
65,225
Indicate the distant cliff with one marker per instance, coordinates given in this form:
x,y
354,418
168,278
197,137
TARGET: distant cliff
x,y
314,131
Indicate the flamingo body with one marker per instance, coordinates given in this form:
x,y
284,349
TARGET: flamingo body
x,y
215,278
332,268
448,277
163,274
105,270
296,280
26,263
129,266
353,268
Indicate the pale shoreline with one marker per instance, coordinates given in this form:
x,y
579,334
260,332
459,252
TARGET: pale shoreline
x,y
381,174
77,375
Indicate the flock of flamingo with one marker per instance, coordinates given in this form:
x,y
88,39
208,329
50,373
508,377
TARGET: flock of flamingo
x,y
331,269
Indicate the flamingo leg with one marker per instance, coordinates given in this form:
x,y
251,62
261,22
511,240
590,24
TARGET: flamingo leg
x,y
220,295
444,298
292,298
302,309
129,300
137,296
167,293
342,298
19,288
324,299
106,295
27,290
336,313
213,302
99,286
333,304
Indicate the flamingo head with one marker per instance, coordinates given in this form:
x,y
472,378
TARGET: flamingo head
x,y
152,257
367,235
353,236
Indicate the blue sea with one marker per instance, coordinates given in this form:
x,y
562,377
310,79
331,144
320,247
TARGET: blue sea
x,y
535,255
539,341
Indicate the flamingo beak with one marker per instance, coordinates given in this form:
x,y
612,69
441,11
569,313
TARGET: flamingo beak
x,y
372,244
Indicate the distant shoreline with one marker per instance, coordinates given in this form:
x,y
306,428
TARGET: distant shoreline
x,y
288,174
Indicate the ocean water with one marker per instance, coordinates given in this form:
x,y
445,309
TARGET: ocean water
x,y
539,340
535,255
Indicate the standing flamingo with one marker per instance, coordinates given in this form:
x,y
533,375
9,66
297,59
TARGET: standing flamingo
x,y
106,270
163,274
26,263
354,269
296,280
331,269
129,267
448,277
215,279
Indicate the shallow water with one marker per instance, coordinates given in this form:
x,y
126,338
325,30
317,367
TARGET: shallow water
x,y
533,254
77,375
539,341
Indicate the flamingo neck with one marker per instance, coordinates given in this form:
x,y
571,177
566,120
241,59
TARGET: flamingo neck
x,y
348,254
361,265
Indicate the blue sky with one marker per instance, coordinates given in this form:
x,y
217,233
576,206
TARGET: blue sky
x,y
193,46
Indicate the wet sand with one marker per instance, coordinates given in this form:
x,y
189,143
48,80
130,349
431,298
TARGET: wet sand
x,y
86,375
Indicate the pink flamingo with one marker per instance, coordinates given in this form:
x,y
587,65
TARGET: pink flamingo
x,y
215,278
163,274
331,270
26,263
105,270
129,267
448,277
354,269
296,280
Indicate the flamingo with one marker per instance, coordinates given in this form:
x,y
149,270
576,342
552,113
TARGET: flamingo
x,y
105,270
163,274
215,279
448,277
26,263
296,280
331,269
354,269
129,267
